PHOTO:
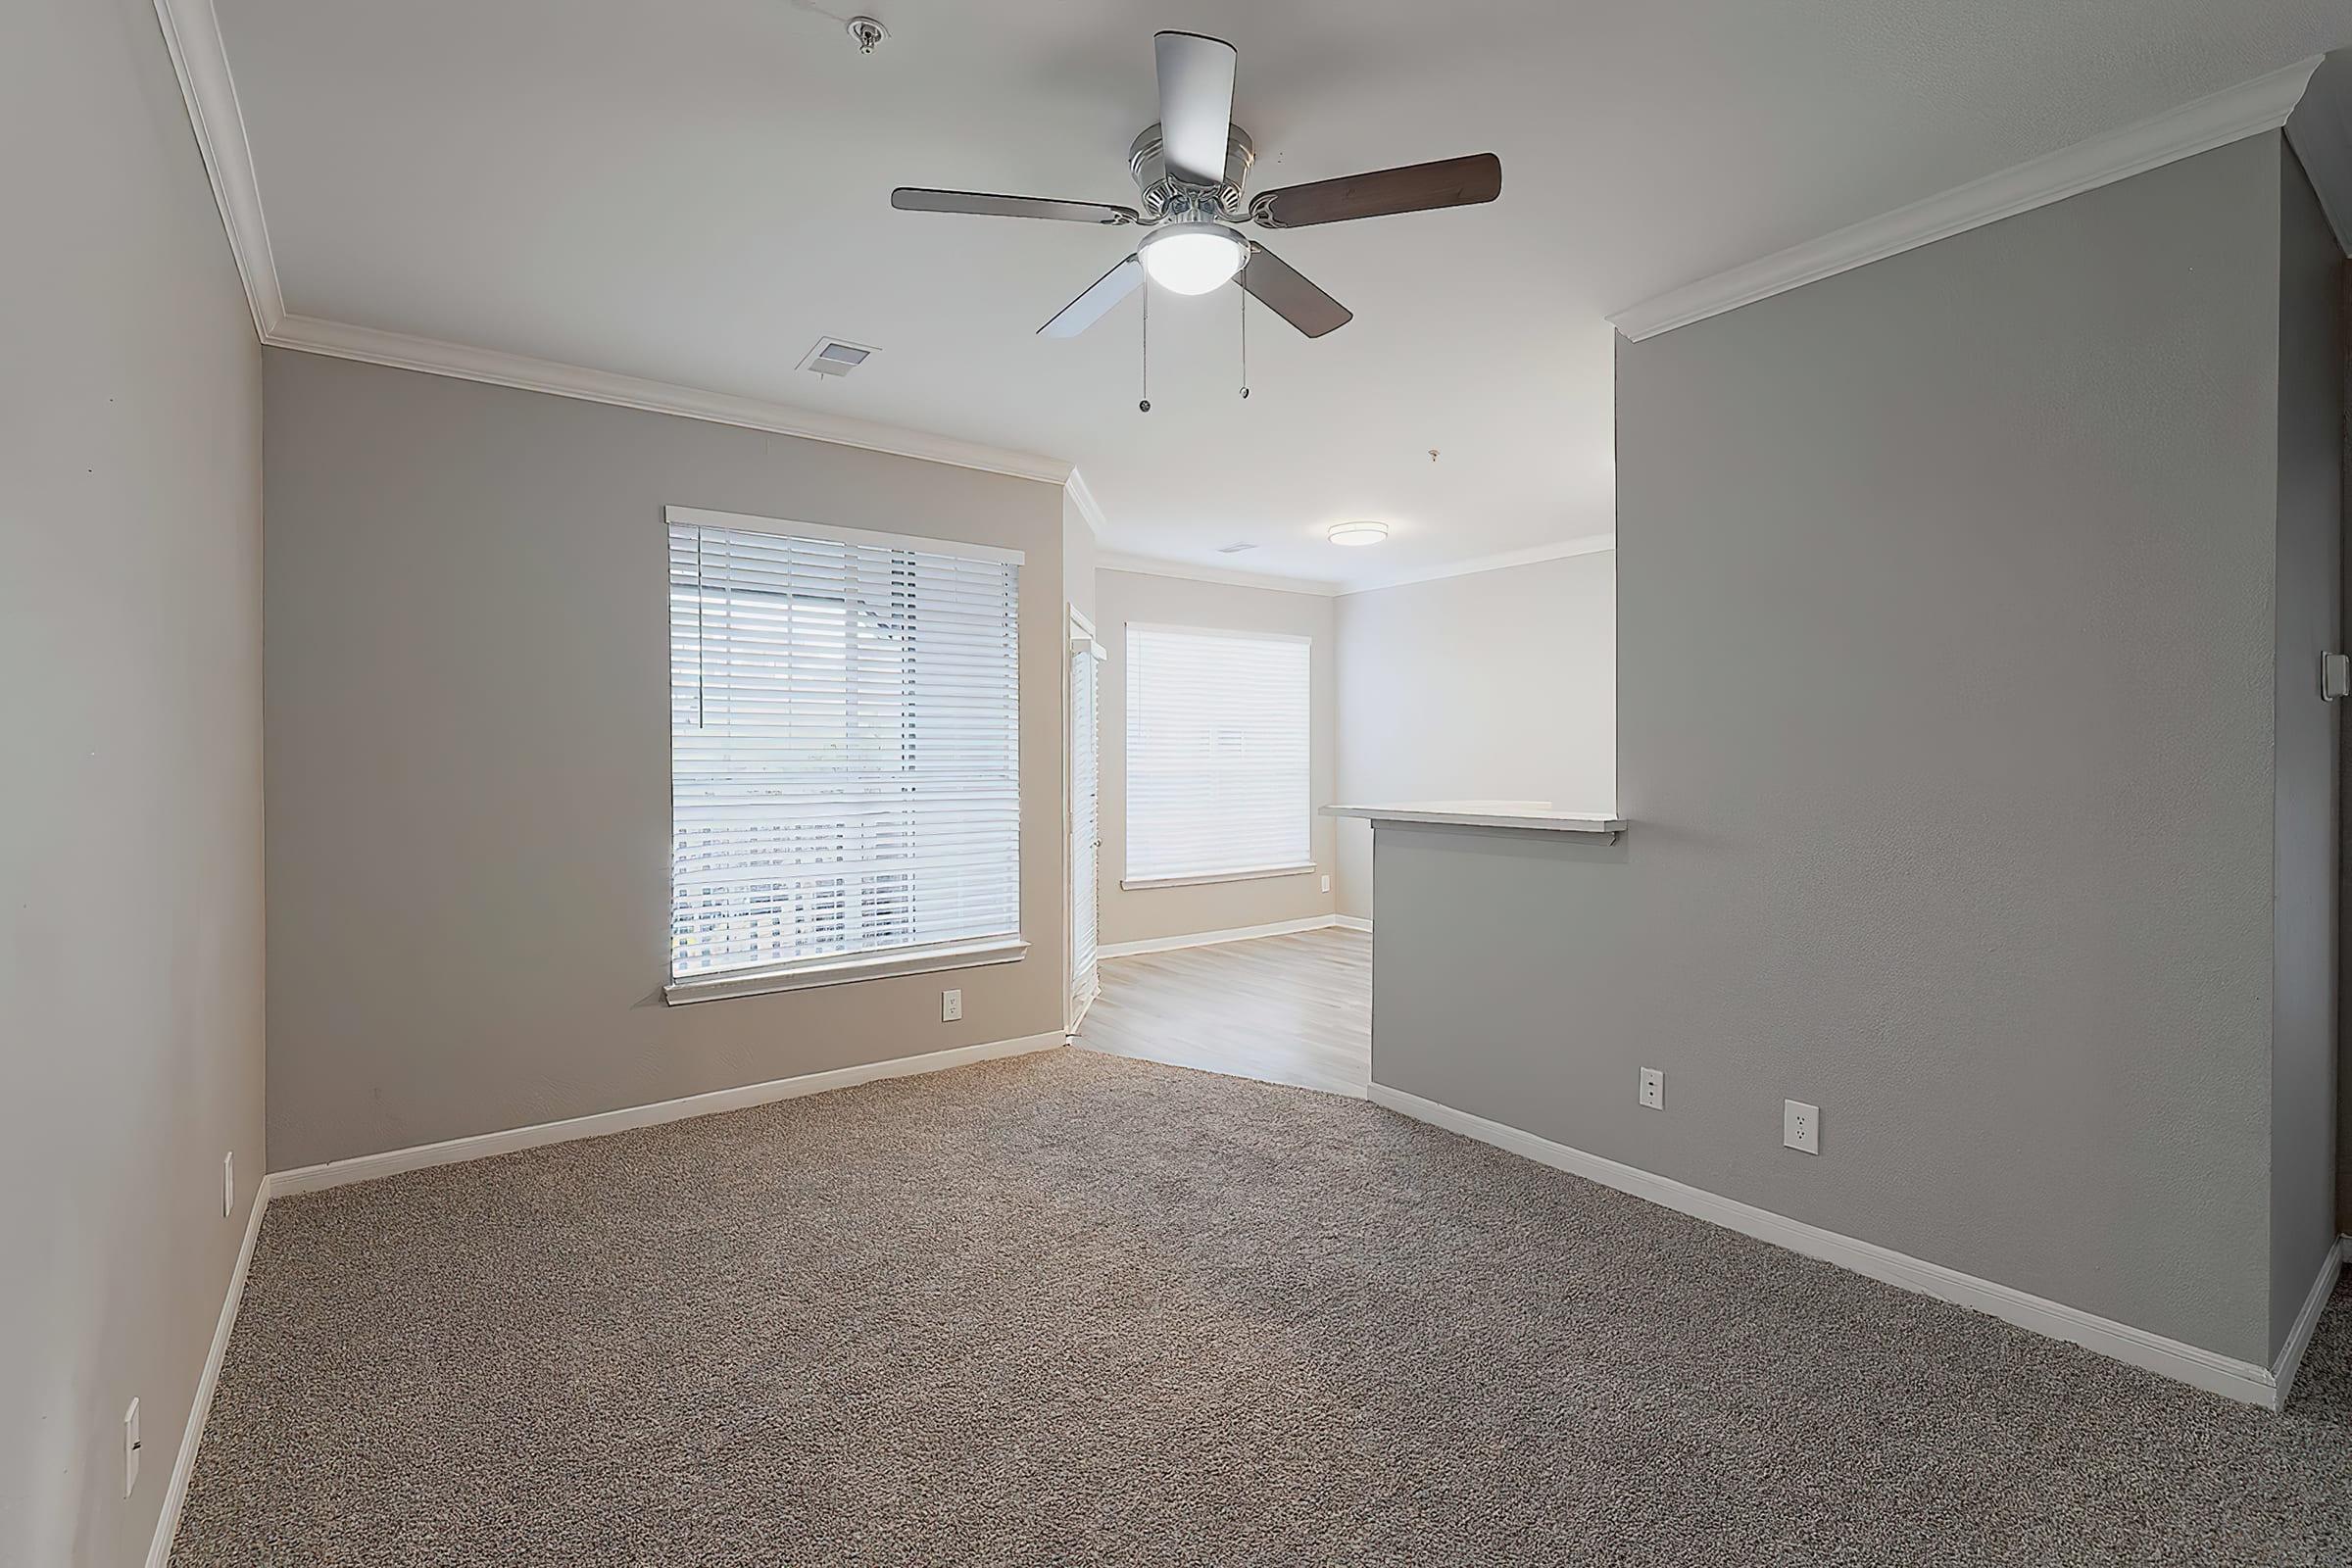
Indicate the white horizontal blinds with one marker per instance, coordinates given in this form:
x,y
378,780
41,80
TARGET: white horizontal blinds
x,y
1216,752
845,771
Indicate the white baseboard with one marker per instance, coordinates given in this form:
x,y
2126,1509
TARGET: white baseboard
x,y
481,1146
2205,1369
2307,1321
183,1465
1352,922
1209,938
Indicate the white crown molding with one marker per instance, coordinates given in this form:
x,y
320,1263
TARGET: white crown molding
x,y
1592,544
192,33
2215,121
1088,506
403,351
1149,566
2321,132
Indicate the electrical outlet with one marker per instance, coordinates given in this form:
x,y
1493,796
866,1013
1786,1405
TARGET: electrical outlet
x,y
1653,1089
1800,1126
1327,884
950,1006
228,1184
130,1447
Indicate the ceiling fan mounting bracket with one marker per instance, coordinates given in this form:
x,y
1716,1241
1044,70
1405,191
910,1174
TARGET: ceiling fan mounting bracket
x,y
1164,194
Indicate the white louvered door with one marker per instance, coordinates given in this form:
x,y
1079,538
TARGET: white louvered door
x,y
1086,818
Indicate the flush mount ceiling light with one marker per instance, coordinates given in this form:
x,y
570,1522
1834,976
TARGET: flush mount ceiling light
x,y
1359,533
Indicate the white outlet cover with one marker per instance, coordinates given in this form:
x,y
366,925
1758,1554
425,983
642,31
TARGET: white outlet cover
x,y
1327,884
1653,1089
130,1448
950,1006
1800,1126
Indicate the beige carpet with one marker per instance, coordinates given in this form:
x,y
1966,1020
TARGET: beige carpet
x,y
1078,1309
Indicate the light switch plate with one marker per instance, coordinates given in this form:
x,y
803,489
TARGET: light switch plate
x,y
1800,1126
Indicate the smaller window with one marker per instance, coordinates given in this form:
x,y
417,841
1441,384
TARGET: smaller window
x,y
1217,755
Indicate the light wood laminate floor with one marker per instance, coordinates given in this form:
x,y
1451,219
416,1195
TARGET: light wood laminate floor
x,y
1289,1010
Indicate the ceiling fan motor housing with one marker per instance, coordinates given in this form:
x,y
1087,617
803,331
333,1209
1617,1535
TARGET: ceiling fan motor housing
x,y
1165,196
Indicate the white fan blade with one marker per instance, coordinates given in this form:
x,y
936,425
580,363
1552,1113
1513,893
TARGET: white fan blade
x,y
1196,104
1092,304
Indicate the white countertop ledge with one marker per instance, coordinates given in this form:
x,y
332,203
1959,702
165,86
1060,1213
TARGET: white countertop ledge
x,y
1534,817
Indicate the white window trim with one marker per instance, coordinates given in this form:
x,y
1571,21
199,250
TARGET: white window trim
x,y
1201,878
697,516
848,970
854,968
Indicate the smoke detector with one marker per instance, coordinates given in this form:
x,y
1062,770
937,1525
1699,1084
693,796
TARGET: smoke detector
x,y
834,356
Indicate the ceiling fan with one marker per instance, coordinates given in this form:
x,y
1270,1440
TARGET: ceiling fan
x,y
1190,167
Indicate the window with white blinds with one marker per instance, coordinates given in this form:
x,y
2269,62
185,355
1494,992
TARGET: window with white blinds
x,y
845,767
1216,753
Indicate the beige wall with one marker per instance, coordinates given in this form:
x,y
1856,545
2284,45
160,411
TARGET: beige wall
x,y
130,842
1146,914
469,759
1500,685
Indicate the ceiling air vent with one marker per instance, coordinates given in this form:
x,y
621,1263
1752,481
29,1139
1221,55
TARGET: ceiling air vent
x,y
1234,550
833,357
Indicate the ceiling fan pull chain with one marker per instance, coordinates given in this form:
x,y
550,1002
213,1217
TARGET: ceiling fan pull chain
x,y
1145,406
1244,297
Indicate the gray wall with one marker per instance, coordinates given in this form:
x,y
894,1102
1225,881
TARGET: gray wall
x,y
2311,416
469,758
130,837
1147,913
1946,728
1498,685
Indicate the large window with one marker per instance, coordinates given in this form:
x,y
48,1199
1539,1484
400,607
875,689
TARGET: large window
x,y
1216,754
845,768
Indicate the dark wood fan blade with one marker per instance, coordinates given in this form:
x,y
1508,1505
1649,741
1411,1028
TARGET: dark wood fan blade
x,y
1417,188
1092,304
915,199
1283,289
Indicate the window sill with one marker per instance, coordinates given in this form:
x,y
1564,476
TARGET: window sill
x,y
1135,883
846,971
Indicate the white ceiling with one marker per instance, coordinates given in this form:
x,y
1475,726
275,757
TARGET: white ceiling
x,y
695,191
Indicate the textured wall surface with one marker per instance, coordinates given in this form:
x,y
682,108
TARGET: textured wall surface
x,y
469,758
130,801
2311,424
1142,913
1500,685
1946,730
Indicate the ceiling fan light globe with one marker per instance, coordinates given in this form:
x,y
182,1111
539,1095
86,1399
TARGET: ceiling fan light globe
x,y
1194,258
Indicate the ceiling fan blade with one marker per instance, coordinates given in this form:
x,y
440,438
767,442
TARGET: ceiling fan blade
x,y
1415,188
915,199
1096,303
1196,104
1283,289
